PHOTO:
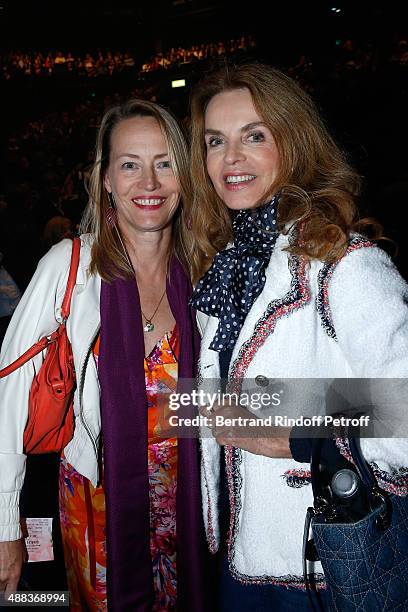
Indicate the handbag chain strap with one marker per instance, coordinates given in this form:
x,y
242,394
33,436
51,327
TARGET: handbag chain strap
x,y
309,553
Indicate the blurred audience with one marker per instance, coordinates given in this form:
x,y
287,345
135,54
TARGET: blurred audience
x,y
351,55
102,63
205,51
47,159
57,63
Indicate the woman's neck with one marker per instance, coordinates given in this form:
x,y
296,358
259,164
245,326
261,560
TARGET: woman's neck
x,y
148,252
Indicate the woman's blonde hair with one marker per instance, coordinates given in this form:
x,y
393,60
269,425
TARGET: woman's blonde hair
x,y
108,257
315,182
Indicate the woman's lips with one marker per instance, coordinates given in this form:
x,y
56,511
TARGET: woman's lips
x,y
148,203
236,182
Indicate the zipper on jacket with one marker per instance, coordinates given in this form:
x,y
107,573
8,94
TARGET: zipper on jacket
x,y
81,390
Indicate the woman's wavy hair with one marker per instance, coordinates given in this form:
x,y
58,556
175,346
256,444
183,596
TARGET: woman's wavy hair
x,y
316,184
108,258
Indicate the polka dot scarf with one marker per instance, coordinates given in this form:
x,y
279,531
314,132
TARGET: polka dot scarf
x,y
237,275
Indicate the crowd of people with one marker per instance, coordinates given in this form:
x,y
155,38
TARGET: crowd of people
x,y
63,64
205,51
48,157
350,55
108,62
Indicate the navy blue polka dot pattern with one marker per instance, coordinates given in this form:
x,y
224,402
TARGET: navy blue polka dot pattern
x,y
237,275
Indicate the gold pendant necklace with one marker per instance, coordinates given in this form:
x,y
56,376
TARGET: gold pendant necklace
x,y
149,326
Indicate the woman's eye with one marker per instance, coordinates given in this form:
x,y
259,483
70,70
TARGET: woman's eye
x,y
256,137
214,141
164,165
129,166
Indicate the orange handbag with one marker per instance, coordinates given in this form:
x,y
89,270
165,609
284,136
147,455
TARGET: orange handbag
x,y
50,424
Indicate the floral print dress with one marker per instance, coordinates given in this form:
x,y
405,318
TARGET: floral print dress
x,y
82,506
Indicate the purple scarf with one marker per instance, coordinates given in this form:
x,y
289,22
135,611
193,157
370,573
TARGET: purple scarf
x,y
124,430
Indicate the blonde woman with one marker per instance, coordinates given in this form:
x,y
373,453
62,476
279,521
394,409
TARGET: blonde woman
x,y
132,334
300,293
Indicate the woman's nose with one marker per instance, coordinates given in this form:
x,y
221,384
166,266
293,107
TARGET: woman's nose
x,y
234,153
149,180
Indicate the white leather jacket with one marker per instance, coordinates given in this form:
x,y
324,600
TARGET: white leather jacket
x,y
38,314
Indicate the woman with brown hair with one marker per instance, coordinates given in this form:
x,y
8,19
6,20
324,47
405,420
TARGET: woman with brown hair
x,y
133,336
290,288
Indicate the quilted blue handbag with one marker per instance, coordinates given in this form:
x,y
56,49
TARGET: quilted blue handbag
x,y
360,535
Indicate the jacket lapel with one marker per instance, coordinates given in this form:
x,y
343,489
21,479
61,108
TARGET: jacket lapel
x,y
286,290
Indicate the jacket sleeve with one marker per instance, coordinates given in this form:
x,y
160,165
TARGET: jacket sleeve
x,y
36,315
369,308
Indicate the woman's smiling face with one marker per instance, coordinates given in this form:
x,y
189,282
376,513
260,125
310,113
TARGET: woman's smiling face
x,y
140,176
242,156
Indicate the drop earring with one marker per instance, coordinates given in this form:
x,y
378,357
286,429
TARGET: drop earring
x,y
111,215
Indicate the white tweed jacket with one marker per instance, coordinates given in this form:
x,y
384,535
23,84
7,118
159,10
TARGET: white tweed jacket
x,y
312,320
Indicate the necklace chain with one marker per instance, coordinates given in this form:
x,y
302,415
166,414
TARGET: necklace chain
x,y
148,320
148,326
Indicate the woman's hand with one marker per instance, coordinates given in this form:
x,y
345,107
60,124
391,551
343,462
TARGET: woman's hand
x,y
232,431
12,555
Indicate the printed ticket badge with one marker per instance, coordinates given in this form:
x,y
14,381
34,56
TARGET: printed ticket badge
x,y
39,540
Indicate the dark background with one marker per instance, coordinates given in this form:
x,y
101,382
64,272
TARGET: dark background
x,y
364,105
